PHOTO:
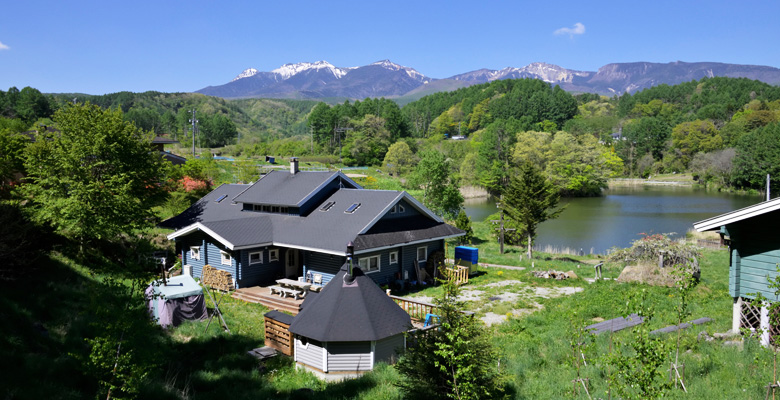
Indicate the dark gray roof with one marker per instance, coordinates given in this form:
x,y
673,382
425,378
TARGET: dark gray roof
x,y
326,231
344,312
207,209
285,189
331,230
404,230
245,231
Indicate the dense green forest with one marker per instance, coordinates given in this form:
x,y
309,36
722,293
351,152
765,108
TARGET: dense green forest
x,y
721,130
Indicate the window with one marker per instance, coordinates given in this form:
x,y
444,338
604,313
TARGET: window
x,y
223,197
328,206
195,253
226,258
256,258
401,209
394,257
352,208
422,253
273,255
369,264
392,210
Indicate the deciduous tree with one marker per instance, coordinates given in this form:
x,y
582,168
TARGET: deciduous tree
x,y
440,190
95,178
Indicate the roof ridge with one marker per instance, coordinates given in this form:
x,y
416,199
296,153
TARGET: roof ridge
x,y
250,186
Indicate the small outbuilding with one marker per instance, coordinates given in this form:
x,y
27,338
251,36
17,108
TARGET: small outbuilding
x,y
754,256
348,327
177,300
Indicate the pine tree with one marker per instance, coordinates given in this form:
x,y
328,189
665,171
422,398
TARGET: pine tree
x,y
529,200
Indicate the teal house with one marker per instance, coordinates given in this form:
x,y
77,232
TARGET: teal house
x,y
754,247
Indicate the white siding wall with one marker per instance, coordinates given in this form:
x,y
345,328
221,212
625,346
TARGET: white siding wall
x,y
386,350
349,356
310,355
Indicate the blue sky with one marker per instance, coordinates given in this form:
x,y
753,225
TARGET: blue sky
x,y
99,47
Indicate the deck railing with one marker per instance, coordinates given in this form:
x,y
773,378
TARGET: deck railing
x,y
416,309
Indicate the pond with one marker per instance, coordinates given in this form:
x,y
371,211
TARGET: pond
x,y
595,224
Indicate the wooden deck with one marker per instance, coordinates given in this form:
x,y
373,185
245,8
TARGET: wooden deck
x,y
262,295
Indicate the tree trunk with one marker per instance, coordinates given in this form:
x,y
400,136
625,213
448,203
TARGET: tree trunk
x,y
530,254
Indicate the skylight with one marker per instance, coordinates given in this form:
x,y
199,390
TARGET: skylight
x,y
223,197
352,208
327,206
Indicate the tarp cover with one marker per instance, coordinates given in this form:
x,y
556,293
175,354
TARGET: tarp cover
x,y
181,300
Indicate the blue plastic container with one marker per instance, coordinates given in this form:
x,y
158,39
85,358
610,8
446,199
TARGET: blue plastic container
x,y
469,254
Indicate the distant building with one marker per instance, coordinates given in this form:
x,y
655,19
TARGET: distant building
x,y
158,144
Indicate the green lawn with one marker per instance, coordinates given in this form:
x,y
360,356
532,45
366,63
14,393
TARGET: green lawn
x,y
47,316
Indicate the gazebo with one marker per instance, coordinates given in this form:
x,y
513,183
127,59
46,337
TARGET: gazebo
x,y
348,327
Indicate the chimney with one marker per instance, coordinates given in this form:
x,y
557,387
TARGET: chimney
x,y
294,165
350,252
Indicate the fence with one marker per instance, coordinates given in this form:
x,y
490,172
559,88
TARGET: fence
x,y
416,309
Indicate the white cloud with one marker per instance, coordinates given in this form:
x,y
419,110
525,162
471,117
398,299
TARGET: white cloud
x,y
4,46
577,29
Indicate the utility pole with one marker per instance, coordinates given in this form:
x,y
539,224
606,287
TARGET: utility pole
x,y
194,131
501,228
340,131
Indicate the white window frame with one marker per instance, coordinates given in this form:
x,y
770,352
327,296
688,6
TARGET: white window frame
x,y
273,255
392,210
195,252
425,253
401,209
224,260
367,261
393,257
259,261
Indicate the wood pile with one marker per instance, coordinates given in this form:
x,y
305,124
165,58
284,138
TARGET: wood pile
x,y
553,274
278,336
217,279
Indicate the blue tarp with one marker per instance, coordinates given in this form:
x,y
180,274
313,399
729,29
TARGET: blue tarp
x,y
182,299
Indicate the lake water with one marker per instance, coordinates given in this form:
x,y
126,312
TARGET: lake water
x,y
595,224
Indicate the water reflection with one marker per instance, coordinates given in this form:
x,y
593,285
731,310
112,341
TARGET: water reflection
x,y
617,218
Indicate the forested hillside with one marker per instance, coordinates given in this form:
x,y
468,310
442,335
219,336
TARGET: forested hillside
x,y
719,129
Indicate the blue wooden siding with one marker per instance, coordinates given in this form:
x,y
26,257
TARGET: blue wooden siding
x,y
409,211
263,273
755,256
326,264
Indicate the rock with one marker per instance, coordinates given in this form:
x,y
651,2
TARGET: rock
x,y
597,319
725,335
703,335
731,343
572,275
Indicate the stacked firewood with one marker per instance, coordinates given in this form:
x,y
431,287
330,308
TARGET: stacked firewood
x,y
553,274
217,279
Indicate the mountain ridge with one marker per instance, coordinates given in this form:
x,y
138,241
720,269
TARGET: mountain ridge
x,y
321,79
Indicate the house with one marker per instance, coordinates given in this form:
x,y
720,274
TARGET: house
x,y
348,327
297,224
754,247
158,144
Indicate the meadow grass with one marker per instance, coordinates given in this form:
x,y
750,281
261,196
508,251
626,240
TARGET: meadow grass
x,y
47,317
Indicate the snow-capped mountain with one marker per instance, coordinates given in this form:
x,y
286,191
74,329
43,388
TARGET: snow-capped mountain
x,y
322,79
386,79
288,70
246,74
